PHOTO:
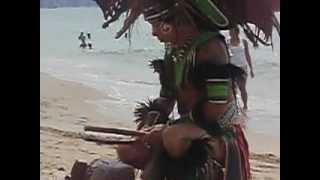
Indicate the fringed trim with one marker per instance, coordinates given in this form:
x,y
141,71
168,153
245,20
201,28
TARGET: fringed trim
x,y
254,37
142,115
112,10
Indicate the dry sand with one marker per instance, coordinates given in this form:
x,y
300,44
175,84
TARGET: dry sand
x,y
63,107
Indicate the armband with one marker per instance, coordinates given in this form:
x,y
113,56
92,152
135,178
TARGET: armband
x,y
217,90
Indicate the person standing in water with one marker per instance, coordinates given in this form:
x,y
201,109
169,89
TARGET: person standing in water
x,y
240,56
82,39
89,40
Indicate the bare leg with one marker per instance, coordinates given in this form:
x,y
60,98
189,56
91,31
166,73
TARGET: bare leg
x,y
242,82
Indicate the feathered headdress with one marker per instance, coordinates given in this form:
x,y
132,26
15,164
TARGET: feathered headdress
x,y
210,14
113,9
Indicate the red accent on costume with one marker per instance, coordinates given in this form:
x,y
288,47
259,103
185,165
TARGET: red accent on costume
x,y
244,150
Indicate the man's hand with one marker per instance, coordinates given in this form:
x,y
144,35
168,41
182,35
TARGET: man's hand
x,y
153,138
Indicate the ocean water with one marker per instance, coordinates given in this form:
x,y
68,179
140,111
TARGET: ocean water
x,y
122,71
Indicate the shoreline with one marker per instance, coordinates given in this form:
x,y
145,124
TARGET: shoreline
x,y
67,105
64,111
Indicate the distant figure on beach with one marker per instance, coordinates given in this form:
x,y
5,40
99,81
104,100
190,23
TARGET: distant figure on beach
x,y
82,39
240,56
89,40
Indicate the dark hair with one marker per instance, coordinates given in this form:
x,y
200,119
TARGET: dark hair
x,y
178,13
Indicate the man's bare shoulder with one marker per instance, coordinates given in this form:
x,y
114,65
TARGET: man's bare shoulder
x,y
214,51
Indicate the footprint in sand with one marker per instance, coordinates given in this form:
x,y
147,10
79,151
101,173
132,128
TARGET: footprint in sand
x,y
256,170
42,111
45,104
63,107
59,142
65,115
268,158
45,117
268,178
82,120
267,166
56,99
83,117
55,147
87,151
61,169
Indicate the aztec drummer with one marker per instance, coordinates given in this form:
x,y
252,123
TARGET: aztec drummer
x,y
207,141
195,74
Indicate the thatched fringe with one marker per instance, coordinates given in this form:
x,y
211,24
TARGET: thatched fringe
x,y
149,113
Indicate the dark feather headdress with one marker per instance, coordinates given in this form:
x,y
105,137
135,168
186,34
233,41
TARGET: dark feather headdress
x,y
208,14
113,9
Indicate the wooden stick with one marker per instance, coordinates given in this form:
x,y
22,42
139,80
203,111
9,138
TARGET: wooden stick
x,y
114,131
106,140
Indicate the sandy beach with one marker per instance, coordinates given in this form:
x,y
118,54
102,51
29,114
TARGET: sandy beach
x,y
64,108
